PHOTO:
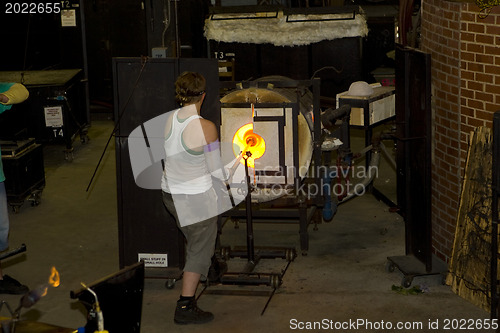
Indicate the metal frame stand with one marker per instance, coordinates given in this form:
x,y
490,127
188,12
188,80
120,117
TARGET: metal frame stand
x,y
247,276
299,208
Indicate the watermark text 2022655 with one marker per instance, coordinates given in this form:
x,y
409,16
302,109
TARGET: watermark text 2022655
x,y
32,8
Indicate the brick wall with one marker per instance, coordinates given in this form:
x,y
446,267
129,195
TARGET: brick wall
x,y
465,52
480,69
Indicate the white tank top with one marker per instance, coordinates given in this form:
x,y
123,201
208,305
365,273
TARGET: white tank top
x,y
185,170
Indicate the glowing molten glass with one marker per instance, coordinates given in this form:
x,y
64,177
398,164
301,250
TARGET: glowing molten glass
x,y
246,140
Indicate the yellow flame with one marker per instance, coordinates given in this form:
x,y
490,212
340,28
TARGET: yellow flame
x,y
54,279
247,140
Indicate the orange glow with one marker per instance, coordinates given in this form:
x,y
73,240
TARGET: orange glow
x,y
247,140
54,279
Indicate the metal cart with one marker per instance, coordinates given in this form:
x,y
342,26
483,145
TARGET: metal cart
x,y
56,110
24,172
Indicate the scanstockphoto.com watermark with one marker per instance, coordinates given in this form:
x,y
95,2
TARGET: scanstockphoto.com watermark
x,y
361,325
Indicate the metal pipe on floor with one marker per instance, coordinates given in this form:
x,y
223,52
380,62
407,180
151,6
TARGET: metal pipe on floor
x,y
374,164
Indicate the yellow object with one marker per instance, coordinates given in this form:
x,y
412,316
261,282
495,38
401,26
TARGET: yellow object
x,y
16,94
101,332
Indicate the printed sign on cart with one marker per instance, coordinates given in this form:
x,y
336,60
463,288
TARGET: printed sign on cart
x,y
154,259
53,116
68,18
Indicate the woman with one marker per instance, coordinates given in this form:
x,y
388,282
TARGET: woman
x,y
192,158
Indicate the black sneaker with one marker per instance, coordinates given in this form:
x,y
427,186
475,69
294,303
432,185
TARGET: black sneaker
x,y
11,286
187,312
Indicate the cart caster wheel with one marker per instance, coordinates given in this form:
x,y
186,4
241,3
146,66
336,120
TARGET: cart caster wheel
x,y
68,155
275,281
84,139
290,255
390,267
406,282
170,284
35,199
16,209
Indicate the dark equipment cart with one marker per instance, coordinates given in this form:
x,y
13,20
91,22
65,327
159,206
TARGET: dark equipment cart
x,y
24,172
56,110
144,89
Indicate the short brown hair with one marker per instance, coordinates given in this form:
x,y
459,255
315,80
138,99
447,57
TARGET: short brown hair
x,y
189,87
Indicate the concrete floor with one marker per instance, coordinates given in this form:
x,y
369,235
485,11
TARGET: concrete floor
x,y
342,279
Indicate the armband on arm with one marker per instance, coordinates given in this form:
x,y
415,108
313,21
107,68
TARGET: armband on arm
x,y
214,162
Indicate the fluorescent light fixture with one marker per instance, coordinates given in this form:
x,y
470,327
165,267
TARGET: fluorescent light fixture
x,y
320,14
243,13
244,16
320,17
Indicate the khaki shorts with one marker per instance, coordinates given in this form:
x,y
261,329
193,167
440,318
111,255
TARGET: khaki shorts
x,y
200,237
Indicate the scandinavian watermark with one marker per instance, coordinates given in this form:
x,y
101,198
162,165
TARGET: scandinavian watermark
x,y
147,159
